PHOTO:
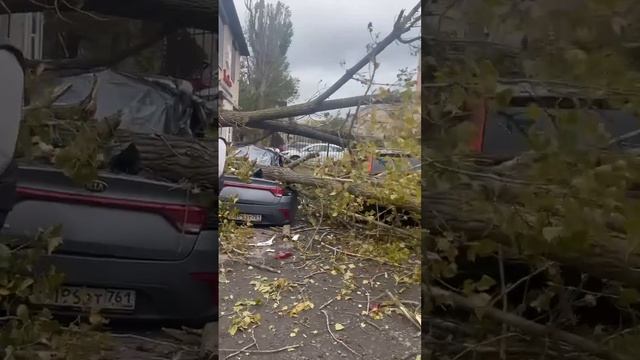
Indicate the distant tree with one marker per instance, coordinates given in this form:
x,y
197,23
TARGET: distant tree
x,y
265,79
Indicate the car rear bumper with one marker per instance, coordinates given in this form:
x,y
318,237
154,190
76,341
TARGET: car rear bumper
x,y
184,290
280,213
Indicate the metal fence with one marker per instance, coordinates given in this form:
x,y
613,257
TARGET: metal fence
x,y
296,140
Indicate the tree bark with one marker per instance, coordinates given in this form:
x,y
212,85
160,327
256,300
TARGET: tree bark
x,y
298,162
529,327
202,14
303,130
453,209
252,118
367,190
173,158
191,161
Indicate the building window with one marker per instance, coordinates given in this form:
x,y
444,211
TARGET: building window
x,y
234,60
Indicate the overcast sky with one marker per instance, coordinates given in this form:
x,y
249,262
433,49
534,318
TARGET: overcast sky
x,y
327,32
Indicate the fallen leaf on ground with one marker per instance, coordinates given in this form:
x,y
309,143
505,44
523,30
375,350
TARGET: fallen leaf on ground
x,y
300,307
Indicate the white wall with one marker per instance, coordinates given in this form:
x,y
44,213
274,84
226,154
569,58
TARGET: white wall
x,y
228,62
24,32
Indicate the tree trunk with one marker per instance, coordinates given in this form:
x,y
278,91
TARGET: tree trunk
x,y
367,190
609,258
252,118
202,14
303,130
172,158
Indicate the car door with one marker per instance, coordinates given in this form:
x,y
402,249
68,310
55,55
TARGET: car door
x,y
335,152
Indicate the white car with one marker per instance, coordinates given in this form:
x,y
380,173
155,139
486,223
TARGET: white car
x,y
325,151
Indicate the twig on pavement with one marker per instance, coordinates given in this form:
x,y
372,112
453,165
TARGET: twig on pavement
x,y
327,303
335,338
267,351
403,309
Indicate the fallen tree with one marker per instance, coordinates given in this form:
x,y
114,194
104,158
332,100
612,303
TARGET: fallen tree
x,y
462,209
188,13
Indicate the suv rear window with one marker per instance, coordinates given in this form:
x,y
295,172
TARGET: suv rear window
x,y
506,131
383,162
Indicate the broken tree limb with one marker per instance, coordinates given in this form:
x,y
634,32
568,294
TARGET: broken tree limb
x,y
525,325
402,25
303,159
110,61
330,137
201,14
455,209
244,118
173,158
367,191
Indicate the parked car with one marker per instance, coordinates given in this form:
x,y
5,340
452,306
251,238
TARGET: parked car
x,y
137,248
295,146
503,133
261,201
384,159
324,151
262,156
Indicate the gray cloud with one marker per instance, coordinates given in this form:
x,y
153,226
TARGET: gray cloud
x,y
330,31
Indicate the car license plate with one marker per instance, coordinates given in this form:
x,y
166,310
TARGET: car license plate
x,y
91,297
249,217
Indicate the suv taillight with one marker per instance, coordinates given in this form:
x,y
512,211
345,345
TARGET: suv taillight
x,y
479,118
277,191
186,218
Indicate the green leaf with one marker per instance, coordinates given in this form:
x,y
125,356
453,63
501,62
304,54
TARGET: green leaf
x,y
480,301
534,112
628,296
5,255
488,77
233,329
503,97
23,312
338,327
485,283
467,287
25,284
53,236
550,233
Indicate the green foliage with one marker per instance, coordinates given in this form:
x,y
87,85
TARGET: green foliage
x,y
233,235
570,197
366,219
243,318
30,332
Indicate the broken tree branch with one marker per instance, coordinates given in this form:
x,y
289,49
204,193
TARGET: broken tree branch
x,y
367,191
527,326
199,14
302,130
303,159
401,26
335,338
110,61
251,118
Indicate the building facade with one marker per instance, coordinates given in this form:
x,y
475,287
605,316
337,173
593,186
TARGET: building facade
x,y
231,47
25,32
